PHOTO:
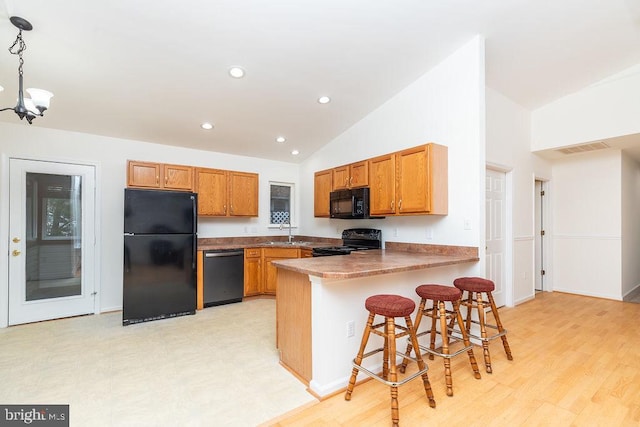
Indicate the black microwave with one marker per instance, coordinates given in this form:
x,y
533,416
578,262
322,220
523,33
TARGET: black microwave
x,y
350,204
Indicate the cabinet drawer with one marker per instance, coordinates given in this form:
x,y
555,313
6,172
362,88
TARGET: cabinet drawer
x,y
281,252
252,253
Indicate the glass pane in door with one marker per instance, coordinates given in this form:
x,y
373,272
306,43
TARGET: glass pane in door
x,y
53,236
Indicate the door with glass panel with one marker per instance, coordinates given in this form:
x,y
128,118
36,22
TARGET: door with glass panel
x,y
51,247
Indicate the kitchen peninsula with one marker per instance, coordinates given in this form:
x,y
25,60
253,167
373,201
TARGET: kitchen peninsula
x,y
320,303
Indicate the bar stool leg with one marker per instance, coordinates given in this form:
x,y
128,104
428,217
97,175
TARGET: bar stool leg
x,y
465,340
390,337
445,344
483,333
420,361
358,360
496,316
405,362
432,334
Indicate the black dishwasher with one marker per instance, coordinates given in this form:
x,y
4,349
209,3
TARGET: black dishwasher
x,y
223,276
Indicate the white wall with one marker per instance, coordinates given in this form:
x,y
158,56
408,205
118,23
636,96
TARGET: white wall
x,y
110,156
630,224
587,221
508,149
445,106
605,110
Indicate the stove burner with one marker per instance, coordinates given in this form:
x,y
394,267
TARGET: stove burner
x,y
354,239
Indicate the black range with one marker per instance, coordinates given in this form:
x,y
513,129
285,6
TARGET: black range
x,y
353,239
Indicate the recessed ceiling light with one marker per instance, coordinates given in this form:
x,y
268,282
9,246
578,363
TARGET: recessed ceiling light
x,y
324,100
236,72
281,139
206,126
295,152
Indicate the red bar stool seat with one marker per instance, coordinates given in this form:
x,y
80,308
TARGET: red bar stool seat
x,y
390,307
475,287
438,312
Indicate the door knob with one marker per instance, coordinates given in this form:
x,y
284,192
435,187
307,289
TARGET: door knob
x,y
16,240
15,252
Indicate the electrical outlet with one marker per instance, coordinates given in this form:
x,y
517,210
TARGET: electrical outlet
x,y
351,328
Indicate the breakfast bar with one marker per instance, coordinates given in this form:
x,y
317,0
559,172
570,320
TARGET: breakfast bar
x,y
320,310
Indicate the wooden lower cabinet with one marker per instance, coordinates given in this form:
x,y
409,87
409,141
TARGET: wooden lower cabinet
x,y
270,271
260,275
252,272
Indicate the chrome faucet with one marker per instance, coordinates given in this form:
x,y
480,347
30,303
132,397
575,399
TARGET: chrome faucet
x,y
289,223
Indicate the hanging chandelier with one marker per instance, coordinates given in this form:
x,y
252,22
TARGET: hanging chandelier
x,y
33,107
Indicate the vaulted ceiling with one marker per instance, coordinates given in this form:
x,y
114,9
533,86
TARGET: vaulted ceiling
x,y
155,70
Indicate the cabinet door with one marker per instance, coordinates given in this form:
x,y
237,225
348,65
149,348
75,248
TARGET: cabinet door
x,y
341,177
252,272
143,174
211,186
382,184
177,177
322,186
359,174
270,271
243,194
413,194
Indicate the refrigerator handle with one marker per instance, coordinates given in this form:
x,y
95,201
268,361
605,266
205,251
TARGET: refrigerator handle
x,y
194,204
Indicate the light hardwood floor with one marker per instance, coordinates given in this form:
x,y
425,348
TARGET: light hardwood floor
x,y
576,363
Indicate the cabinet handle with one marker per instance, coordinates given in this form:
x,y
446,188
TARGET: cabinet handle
x,y
400,205
350,180
392,204
166,179
157,179
231,209
225,209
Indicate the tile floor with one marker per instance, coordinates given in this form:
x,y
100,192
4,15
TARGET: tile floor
x,y
219,367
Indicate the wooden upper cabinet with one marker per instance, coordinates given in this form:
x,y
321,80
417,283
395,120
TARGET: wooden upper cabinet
x,y
359,174
159,175
351,176
243,194
178,177
382,185
410,182
142,174
413,190
211,186
322,186
226,193
422,180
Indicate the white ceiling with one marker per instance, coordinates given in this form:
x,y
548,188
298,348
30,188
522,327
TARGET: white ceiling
x,y
153,70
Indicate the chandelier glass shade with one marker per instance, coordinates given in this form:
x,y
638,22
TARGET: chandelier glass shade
x,y
26,108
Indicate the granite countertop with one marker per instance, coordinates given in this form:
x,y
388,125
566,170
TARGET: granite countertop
x,y
205,244
373,262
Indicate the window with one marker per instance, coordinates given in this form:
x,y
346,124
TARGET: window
x,y
281,203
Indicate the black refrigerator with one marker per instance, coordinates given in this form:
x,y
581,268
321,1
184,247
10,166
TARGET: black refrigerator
x,y
159,255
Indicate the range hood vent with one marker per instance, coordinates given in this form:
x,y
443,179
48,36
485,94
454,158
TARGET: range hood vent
x,y
583,148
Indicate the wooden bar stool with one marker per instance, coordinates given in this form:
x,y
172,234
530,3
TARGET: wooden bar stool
x,y
475,287
439,295
390,306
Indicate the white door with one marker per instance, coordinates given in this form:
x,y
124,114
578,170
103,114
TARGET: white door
x,y
51,247
495,231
